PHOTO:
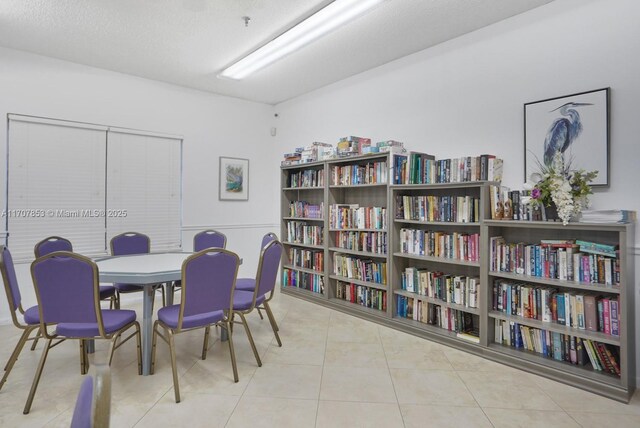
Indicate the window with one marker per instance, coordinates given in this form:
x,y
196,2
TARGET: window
x,y
88,183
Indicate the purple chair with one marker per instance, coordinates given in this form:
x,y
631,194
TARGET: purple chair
x,y
208,281
130,243
56,243
67,289
27,321
202,240
245,301
249,284
93,405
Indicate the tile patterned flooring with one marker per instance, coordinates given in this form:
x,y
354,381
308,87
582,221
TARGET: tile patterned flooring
x,y
334,370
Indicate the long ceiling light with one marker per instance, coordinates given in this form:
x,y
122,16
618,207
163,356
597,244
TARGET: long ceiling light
x,y
312,28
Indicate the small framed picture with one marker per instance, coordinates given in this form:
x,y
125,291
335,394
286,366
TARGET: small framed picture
x,y
234,179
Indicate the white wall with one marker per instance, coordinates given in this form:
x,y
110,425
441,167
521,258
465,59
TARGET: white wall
x,y
466,96
211,125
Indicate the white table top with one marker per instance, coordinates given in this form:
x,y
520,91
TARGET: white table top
x,y
142,268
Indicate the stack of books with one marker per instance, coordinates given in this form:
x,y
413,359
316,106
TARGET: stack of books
x,y
607,216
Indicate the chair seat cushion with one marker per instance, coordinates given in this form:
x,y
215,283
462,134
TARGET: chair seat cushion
x,y
242,300
169,316
32,315
127,288
245,284
107,291
113,321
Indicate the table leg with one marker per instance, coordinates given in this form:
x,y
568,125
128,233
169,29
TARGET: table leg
x,y
168,293
147,327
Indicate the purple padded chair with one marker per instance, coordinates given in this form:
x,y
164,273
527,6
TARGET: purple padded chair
x,y
27,321
208,281
68,293
56,243
245,301
130,243
93,406
205,239
249,284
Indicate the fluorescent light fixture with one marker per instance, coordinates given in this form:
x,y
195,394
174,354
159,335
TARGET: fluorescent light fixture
x,y
312,28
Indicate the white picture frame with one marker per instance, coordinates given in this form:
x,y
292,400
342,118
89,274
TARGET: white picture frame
x,y
233,179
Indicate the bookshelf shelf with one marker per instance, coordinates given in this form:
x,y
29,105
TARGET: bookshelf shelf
x,y
359,282
439,302
556,282
303,218
485,321
310,246
437,223
301,269
557,328
358,253
437,259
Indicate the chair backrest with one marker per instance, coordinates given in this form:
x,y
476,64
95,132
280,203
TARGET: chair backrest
x,y
93,406
67,289
208,281
10,283
209,239
130,243
52,244
268,267
268,238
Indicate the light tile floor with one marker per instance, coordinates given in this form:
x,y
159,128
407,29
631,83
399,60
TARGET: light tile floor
x,y
334,370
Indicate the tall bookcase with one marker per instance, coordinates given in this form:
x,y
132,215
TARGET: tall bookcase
x,y
342,240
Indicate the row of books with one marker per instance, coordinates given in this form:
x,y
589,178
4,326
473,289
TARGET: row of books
x,y
440,316
607,216
305,209
579,310
299,232
309,259
462,209
362,295
421,168
353,216
560,347
372,242
566,261
370,173
307,178
458,289
362,269
459,246
304,280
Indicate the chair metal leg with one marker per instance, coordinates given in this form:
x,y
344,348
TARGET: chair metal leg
x,y
172,351
112,347
36,379
251,342
272,320
35,340
84,359
260,313
206,342
139,348
233,353
154,341
117,301
16,353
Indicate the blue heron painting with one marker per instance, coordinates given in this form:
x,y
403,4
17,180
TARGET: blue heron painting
x,y
563,131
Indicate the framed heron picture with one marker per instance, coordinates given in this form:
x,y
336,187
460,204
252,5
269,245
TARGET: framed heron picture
x,y
234,179
574,127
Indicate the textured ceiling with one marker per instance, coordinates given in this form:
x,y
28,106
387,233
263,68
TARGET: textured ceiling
x,y
188,42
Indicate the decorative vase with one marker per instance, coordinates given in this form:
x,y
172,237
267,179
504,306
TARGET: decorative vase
x,y
551,212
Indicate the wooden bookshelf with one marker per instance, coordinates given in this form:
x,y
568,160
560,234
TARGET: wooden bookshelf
x,y
384,195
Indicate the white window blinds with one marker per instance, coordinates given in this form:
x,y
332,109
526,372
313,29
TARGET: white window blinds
x,y
143,182
56,184
88,183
